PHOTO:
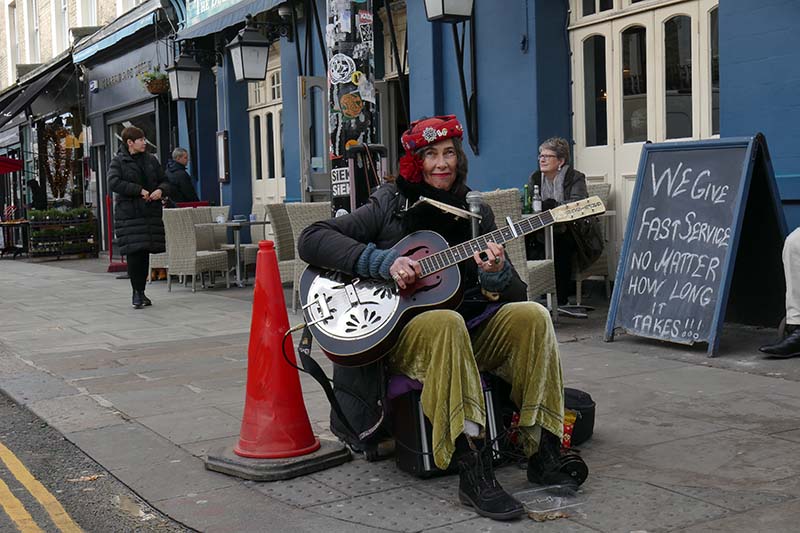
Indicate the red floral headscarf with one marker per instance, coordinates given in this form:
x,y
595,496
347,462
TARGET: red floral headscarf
x,y
422,133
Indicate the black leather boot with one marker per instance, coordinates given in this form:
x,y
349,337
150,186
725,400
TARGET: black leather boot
x,y
137,300
479,488
145,300
788,347
562,474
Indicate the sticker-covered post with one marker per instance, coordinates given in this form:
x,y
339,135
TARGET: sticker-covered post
x,y
349,38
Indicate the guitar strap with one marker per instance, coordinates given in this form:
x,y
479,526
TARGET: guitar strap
x,y
313,368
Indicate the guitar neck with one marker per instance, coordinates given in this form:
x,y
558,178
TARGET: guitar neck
x,y
461,252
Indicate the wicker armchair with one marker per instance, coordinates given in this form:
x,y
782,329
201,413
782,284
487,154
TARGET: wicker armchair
x,y
603,268
539,275
284,240
204,235
302,215
183,256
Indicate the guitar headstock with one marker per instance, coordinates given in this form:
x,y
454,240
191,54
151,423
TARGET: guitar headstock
x,y
580,209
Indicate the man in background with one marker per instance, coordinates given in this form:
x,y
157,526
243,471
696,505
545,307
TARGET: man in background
x,y
182,185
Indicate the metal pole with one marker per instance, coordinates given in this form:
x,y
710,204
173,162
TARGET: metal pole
x,y
351,97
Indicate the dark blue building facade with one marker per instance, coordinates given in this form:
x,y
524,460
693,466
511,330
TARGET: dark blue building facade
x,y
760,85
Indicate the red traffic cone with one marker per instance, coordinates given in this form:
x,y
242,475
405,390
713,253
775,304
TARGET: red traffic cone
x,y
275,422
276,441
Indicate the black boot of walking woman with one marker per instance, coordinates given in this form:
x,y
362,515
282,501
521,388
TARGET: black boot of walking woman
x,y
145,300
137,300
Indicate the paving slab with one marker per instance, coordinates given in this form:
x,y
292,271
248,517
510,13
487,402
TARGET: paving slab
x,y
239,508
75,413
162,479
34,386
730,460
125,446
632,505
359,477
780,518
484,525
400,509
193,425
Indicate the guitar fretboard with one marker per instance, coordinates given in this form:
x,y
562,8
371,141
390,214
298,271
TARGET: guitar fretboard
x,y
465,250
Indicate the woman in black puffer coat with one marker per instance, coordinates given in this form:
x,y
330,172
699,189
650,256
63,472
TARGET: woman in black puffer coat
x,y
139,181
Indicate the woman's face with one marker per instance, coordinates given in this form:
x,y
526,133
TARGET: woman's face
x,y
137,146
439,162
549,162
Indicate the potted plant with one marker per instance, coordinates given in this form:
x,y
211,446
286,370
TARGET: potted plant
x,y
155,81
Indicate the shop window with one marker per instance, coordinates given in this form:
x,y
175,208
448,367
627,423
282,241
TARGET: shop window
x,y
33,31
257,146
146,123
595,94
634,84
11,33
271,145
275,85
715,71
61,36
257,91
590,7
88,13
678,76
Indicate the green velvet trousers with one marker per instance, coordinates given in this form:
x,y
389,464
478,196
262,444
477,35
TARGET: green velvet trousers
x,y
517,344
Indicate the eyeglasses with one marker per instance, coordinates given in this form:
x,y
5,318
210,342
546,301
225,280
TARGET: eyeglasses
x,y
546,156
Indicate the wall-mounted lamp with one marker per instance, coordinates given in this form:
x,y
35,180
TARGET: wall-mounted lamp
x,y
448,10
184,78
249,50
454,12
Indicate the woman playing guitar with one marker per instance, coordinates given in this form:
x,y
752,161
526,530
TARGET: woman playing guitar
x,y
494,329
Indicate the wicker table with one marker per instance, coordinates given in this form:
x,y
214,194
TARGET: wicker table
x,y
236,226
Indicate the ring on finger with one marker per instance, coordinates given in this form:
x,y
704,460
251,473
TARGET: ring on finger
x,y
396,277
496,260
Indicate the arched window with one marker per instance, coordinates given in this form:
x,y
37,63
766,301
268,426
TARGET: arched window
x,y
678,76
594,90
634,84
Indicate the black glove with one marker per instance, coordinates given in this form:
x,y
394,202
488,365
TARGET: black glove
x,y
550,203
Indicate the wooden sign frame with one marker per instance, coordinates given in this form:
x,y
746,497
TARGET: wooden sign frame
x,y
761,257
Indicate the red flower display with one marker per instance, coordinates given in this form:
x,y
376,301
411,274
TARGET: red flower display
x,y
411,168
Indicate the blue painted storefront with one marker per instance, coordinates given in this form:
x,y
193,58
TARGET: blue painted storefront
x,y
524,92
760,84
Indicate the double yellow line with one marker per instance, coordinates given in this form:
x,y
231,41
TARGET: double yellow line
x,y
14,508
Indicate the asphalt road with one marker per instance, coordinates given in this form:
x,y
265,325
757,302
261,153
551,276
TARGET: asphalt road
x,y
47,484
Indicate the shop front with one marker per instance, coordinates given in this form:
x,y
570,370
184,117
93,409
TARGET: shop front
x,y
41,128
118,63
243,119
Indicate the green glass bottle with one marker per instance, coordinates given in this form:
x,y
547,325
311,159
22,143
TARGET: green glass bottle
x,y
526,200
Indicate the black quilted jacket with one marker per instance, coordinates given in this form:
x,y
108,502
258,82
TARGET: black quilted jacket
x,y
138,224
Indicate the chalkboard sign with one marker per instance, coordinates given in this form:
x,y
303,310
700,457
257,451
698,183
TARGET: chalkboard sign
x,y
684,229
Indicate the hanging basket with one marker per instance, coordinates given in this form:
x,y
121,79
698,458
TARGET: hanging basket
x,y
157,86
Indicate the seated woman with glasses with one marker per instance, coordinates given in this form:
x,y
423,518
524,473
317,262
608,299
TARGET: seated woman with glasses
x,y
559,183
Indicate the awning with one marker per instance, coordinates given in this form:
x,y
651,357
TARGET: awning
x,y
225,19
141,16
9,164
30,92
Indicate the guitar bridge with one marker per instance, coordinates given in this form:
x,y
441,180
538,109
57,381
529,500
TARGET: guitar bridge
x,y
316,311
